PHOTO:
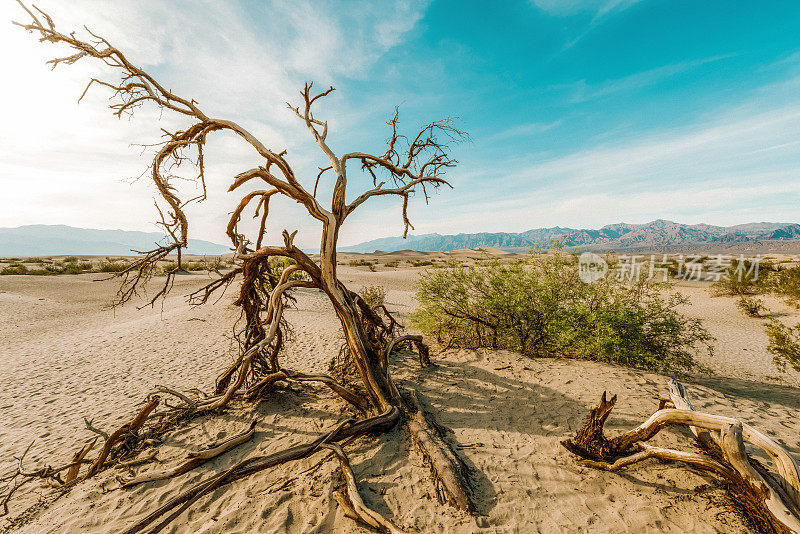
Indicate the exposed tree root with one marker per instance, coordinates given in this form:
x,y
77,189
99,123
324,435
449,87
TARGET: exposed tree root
x,y
770,501
194,459
351,501
243,469
121,434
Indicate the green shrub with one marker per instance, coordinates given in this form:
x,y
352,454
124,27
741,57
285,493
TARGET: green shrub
x,y
47,271
360,263
743,278
392,264
194,266
109,266
169,267
751,306
71,259
76,268
374,296
540,307
34,260
784,344
422,263
786,283
14,269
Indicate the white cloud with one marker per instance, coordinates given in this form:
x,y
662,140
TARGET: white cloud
x,y
64,163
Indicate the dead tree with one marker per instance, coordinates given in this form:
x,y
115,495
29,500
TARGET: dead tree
x,y
410,166
770,501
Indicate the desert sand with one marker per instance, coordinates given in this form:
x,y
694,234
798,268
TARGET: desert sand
x,y
67,357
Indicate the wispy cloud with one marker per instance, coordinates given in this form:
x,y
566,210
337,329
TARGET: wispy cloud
x,y
596,8
523,130
581,91
597,12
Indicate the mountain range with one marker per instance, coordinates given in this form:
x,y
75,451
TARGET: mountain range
x,y
658,236
57,240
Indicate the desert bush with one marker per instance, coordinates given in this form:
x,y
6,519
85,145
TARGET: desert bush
x,y
70,268
109,266
71,259
374,296
741,279
786,283
45,271
784,344
540,307
215,264
422,263
14,269
34,260
193,266
360,263
392,264
751,306
186,266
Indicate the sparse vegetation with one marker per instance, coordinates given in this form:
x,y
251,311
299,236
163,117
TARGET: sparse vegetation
x,y
784,344
786,283
109,266
14,269
188,266
46,269
374,296
392,264
360,263
540,307
422,263
75,267
742,279
751,306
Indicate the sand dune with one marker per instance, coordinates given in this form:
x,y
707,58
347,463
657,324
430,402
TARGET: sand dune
x,y
66,358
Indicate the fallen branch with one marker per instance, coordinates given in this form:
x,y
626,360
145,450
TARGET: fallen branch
x,y
770,501
449,472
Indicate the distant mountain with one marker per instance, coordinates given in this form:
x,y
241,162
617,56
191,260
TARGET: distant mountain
x,y
55,240
656,235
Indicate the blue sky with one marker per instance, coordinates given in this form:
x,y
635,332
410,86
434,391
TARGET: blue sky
x,y
581,113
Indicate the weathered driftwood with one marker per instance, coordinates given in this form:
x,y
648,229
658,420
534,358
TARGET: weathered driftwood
x,y
770,500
